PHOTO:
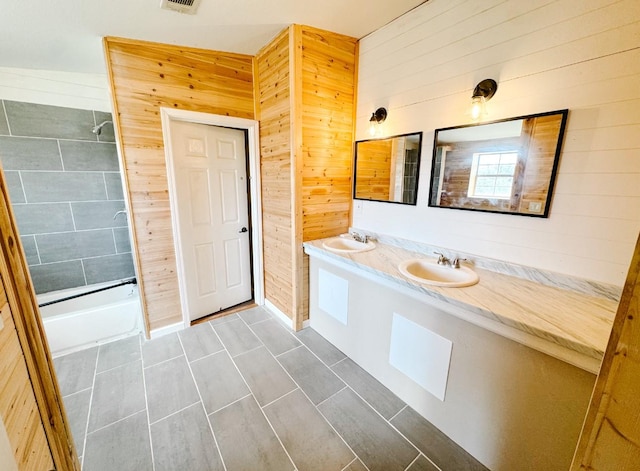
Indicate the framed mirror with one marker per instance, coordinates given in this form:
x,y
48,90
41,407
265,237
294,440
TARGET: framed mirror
x,y
506,166
387,169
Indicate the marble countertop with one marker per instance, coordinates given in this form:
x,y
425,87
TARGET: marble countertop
x,y
570,319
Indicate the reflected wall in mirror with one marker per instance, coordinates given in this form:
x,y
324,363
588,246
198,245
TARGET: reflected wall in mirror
x,y
387,169
506,166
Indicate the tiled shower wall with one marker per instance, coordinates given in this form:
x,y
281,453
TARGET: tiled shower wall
x,y
65,188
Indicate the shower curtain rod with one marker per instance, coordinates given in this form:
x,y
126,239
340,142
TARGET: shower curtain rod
x,y
130,281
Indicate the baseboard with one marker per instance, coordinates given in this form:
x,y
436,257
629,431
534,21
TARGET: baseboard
x,y
168,329
281,316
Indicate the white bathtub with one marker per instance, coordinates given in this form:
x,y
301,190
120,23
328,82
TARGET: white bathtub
x,y
92,319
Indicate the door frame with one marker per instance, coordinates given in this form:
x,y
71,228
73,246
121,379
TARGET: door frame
x,y
251,127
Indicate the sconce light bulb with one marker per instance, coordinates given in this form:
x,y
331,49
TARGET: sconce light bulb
x,y
478,108
372,128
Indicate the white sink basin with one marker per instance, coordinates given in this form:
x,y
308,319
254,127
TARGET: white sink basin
x,y
428,272
347,245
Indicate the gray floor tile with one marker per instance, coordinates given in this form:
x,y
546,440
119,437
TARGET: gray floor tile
x,y
314,377
77,407
75,371
356,466
161,349
264,375
310,441
377,444
218,380
440,449
320,346
118,393
246,440
422,464
255,314
170,387
237,337
118,353
184,441
199,341
123,446
275,336
371,390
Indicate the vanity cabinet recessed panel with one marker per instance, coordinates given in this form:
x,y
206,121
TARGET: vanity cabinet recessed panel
x,y
421,354
333,295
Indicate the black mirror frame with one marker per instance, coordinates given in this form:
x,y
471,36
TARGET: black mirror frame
x,y
561,133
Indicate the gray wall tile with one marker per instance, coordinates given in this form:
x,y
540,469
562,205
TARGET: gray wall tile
x,y
123,242
89,156
30,250
4,128
43,218
57,276
184,442
114,187
74,245
28,119
21,153
51,187
14,185
110,267
243,423
117,393
107,134
124,446
98,215
306,435
166,397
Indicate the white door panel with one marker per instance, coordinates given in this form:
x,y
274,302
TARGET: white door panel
x,y
212,201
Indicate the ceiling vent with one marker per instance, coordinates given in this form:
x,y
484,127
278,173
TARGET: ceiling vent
x,y
182,6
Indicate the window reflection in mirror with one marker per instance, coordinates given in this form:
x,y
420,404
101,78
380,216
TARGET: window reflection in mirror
x,y
506,166
387,169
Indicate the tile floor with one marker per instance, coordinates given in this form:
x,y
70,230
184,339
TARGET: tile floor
x,y
241,393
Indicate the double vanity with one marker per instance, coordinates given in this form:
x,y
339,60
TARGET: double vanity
x,y
503,365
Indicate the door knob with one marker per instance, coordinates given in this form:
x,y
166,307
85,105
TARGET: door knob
x,y
244,229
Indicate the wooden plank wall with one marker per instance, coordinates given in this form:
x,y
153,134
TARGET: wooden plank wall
x,y
610,439
329,64
273,110
18,406
374,170
145,76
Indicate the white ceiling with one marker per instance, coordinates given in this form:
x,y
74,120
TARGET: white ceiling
x,y
66,35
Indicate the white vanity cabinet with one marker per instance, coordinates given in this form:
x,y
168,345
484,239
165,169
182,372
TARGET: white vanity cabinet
x,y
511,407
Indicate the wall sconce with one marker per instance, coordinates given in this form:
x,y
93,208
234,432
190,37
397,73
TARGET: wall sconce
x,y
481,95
377,118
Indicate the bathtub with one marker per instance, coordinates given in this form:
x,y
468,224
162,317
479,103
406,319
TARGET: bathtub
x,y
91,319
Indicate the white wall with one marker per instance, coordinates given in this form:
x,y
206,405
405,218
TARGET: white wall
x,y
545,55
45,87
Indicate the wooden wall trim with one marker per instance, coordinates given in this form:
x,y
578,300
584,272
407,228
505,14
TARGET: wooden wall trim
x,y
610,438
297,159
28,324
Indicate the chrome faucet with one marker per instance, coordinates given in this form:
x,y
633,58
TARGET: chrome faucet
x,y
364,238
456,262
442,260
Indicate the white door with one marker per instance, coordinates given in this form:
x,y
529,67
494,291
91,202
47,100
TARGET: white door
x,y
210,169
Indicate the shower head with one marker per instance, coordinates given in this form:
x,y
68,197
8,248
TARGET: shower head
x,y
98,129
